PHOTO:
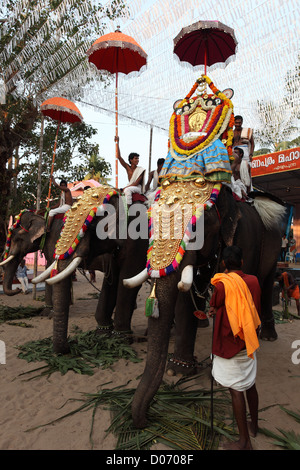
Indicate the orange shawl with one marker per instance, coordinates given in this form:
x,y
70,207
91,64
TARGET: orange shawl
x,y
241,311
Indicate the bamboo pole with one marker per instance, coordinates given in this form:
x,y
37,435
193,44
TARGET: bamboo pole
x,y
38,199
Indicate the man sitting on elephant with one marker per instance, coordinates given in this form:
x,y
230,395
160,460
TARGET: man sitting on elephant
x,y
136,174
64,204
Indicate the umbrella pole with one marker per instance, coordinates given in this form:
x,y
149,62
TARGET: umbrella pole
x,y
205,60
52,166
117,143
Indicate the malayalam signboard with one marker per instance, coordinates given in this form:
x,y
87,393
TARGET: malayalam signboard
x,y
277,162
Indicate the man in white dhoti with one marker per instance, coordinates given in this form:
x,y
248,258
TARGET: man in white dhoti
x,y
240,180
135,174
243,138
236,306
153,178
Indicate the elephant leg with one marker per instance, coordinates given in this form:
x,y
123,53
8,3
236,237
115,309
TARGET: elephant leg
x,y
48,310
183,361
106,305
268,331
126,302
158,342
61,303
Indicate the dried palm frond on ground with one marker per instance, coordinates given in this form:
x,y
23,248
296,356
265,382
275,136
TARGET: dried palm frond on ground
x,y
288,440
16,313
88,350
178,418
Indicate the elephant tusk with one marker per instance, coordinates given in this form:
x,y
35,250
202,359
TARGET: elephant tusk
x,y
7,260
43,275
136,280
66,272
186,281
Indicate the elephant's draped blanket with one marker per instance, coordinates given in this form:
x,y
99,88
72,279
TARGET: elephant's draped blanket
x,y
173,220
78,218
242,314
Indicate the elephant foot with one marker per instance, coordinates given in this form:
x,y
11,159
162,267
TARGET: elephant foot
x,y
61,348
125,336
104,330
47,312
268,332
177,366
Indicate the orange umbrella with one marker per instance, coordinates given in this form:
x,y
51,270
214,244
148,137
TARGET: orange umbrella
x,y
117,53
61,110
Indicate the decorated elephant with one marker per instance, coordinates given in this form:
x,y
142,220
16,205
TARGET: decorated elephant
x,y
94,236
194,217
25,237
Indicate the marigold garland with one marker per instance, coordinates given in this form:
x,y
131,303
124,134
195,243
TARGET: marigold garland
x,y
212,126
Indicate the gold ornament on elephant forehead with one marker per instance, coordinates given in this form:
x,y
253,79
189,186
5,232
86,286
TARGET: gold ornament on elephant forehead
x,y
171,216
76,217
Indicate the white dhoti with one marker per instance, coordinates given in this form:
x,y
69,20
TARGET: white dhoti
x,y
238,372
24,283
129,192
59,210
238,187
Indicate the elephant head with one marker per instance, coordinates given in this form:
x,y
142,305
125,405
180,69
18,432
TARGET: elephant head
x,y
24,237
226,222
96,231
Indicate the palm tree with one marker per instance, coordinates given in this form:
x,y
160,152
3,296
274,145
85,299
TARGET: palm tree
x,y
43,46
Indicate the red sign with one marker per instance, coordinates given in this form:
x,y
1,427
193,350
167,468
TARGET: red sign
x,y
286,160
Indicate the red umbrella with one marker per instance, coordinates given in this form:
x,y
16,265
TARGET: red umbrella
x,y
205,43
117,53
61,110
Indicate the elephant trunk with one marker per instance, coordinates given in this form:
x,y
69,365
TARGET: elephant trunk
x,y
9,274
158,342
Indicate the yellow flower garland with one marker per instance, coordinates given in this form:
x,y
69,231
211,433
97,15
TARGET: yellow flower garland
x,y
228,107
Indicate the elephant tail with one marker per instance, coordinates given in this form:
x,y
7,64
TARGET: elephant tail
x,y
271,212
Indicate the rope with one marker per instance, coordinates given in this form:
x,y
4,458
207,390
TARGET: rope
x,y
81,270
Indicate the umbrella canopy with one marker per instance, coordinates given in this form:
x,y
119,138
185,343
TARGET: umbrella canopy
x,y
206,43
61,109
117,53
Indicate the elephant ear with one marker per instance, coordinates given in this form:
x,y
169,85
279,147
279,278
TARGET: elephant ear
x,y
36,229
230,215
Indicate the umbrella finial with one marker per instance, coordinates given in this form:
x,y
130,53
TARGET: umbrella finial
x,y
118,29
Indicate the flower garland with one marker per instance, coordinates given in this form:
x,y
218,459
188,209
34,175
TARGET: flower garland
x,y
186,238
15,225
217,122
83,229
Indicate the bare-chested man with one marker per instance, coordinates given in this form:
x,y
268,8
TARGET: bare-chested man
x,y
135,174
243,138
64,204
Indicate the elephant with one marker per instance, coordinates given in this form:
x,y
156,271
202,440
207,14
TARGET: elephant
x,y
26,238
116,253
256,228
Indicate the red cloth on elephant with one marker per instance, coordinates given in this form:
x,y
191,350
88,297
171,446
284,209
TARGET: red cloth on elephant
x,y
224,343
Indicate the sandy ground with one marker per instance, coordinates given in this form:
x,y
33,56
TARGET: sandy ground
x,y
25,404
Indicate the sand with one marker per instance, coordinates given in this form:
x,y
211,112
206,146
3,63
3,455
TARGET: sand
x,y
26,404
